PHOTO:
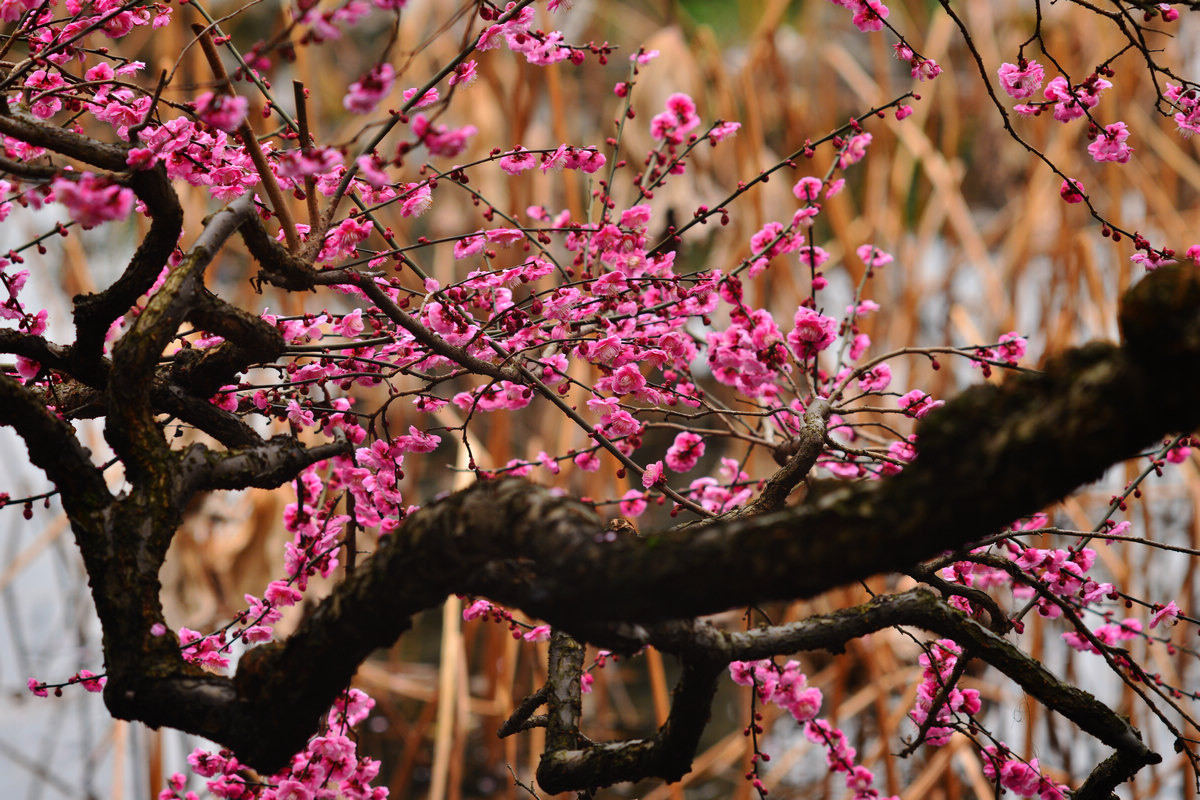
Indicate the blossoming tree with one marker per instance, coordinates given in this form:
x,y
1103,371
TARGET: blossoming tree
x,y
752,446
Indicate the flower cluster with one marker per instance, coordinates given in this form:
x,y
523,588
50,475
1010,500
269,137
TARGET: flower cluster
x,y
939,662
1020,777
786,686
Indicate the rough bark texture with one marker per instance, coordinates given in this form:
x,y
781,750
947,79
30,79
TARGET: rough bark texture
x,y
1026,443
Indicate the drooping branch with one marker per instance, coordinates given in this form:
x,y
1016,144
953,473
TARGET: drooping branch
x,y
705,651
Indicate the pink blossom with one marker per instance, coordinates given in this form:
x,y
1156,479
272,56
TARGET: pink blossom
x,y
206,764
926,69
1072,192
91,199
854,150
1070,102
140,158
917,403
859,779
868,14
1020,777
371,170
859,346
504,236
722,131
38,689
863,308
27,368
464,74
226,398
300,417
1021,83
902,450
349,325
1178,454
365,93
476,610
441,140
587,160
281,593
813,333
742,672
876,379
626,380
1169,612
417,199
89,681
11,10
813,257
872,256
539,634
653,475
547,462
685,451
469,245
429,98
518,161
679,118
1110,145
295,164
554,160
807,189
221,111
633,503
42,86
342,241
1012,347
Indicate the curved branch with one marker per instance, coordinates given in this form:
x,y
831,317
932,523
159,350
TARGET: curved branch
x,y
94,313
705,651
53,448
524,546
130,428
666,755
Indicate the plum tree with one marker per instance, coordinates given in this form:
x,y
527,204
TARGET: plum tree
x,y
451,286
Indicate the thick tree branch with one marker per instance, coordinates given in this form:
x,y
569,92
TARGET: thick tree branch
x,y
53,448
249,340
264,465
28,128
94,313
278,266
801,455
1029,442
34,347
666,755
131,429
705,651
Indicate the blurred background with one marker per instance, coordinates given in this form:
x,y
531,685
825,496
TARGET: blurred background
x,y
983,245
